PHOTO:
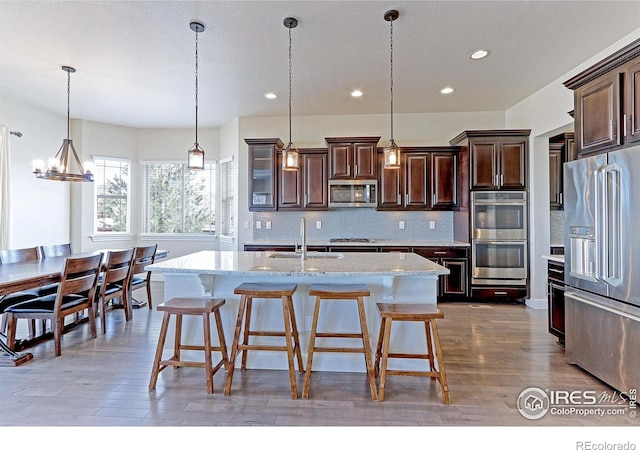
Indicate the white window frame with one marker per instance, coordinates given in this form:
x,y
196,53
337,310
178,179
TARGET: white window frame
x,y
111,235
227,208
143,204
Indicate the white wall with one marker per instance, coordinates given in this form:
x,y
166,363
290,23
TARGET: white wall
x,y
40,209
545,113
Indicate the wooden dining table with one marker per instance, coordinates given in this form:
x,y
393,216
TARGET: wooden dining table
x,y
29,275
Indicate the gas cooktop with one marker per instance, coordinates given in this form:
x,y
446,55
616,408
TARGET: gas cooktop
x,y
350,240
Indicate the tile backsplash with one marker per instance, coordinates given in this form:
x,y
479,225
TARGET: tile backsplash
x,y
354,223
557,227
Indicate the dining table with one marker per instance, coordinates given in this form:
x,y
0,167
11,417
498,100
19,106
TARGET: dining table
x,y
18,277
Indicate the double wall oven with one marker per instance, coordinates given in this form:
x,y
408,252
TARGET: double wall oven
x,y
499,238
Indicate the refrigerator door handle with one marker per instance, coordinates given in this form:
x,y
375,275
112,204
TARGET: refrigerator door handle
x,y
610,263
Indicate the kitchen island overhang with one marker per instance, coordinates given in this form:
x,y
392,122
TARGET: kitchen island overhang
x,y
391,277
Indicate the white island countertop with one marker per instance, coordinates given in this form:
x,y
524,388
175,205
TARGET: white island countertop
x,y
319,264
372,243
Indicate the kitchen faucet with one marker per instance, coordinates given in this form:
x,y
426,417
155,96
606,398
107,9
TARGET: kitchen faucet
x,y
303,237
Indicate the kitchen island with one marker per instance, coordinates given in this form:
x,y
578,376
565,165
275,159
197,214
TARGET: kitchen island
x,y
391,277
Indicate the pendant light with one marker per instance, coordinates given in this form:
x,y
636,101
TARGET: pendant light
x,y
391,151
60,165
290,152
196,153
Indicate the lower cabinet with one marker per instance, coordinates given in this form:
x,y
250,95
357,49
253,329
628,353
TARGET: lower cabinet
x,y
555,292
455,285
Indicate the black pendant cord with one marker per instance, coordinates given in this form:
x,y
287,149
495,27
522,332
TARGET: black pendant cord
x,y
391,65
197,89
290,141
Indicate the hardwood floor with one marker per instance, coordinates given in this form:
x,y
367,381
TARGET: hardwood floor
x,y
492,353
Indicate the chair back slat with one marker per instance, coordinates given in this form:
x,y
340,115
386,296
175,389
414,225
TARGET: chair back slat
x,y
79,277
144,256
19,255
118,266
50,251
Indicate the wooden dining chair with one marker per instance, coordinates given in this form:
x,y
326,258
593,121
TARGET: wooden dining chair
x,y
16,256
19,255
50,251
114,284
76,293
139,276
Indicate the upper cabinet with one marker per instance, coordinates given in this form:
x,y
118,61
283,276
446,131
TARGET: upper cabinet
x,y
352,158
262,173
427,180
561,149
497,158
607,103
307,187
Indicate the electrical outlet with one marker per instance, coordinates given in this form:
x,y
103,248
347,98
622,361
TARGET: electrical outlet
x,y
318,224
258,225
246,224
401,224
432,224
268,224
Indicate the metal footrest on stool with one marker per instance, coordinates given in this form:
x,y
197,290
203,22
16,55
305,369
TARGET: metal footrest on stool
x,y
179,307
410,312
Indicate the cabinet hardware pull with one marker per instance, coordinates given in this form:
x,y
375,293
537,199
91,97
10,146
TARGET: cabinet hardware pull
x,y
399,199
501,180
439,253
499,292
349,170
406,199
561,198
624,118
355,171
556,270
613,129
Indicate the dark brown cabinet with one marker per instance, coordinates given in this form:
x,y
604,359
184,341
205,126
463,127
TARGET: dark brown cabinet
x,y
497,158
262,173
455,285
556,289
427,179
607,102
307,187
561,150
352,158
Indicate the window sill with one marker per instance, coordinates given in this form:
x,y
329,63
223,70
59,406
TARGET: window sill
x,y
111,237
227,239
176,237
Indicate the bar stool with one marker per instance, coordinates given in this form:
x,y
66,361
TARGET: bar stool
x,y
410,312
190,307
284,292
340,292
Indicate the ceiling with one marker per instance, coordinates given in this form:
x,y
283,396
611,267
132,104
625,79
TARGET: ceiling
x,y
135,60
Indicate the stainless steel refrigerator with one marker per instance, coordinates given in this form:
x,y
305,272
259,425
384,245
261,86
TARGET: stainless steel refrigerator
x,y
602,266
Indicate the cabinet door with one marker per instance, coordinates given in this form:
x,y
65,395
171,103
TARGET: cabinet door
x,y
364,161
455,283
444,181
290,188
632,109
262,177
513,173
484,165
555,179
340,161
598,114
556,310
416,180
390,188
315,181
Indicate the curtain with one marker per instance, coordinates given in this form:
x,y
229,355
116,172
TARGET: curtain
x,y
5,191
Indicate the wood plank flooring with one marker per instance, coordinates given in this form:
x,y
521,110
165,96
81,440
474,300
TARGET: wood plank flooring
x,y
492,352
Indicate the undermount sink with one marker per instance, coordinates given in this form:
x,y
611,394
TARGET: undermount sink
x,y
310,255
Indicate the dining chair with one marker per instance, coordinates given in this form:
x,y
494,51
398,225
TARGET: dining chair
x,y
30,254
139,276
113,283
50,251
76,293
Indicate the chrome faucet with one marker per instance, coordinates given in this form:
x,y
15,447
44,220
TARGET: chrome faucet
x,y
303,237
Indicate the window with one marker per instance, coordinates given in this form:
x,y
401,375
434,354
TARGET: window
x,y
177,200
112,189
227,197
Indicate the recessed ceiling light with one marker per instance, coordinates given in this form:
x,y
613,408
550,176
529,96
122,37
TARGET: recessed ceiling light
x,y
270,95
479,54
446,90
356,93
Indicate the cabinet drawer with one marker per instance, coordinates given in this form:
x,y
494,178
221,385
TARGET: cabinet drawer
x,y
441,252
268,248
499,293
555,271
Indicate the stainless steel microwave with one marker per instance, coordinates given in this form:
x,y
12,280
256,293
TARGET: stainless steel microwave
x,y
353,193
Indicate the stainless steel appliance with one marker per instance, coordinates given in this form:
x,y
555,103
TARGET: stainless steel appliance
x,y
499,245
602,266
353,193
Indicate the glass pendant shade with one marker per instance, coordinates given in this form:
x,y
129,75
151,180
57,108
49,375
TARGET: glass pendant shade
x,y
196,157
65,165
290,157
391,155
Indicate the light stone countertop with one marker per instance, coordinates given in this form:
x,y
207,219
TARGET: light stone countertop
x,y
556,258
373,243
261,264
